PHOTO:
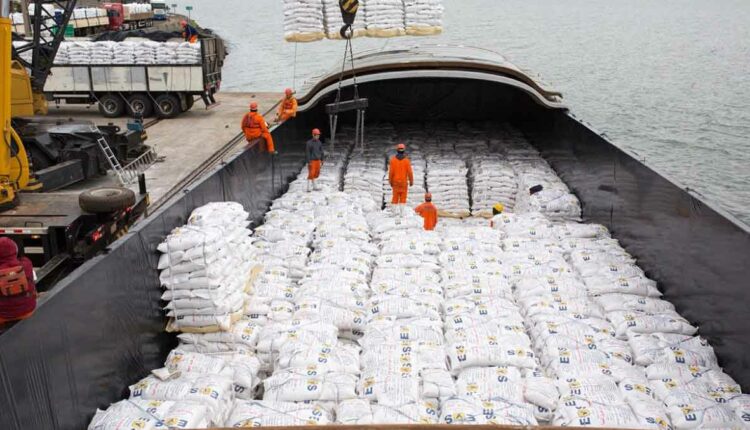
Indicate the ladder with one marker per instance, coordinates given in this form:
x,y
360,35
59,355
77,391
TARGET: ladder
x,y
114,163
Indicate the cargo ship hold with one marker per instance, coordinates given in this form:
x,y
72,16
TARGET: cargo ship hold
x,y
469,117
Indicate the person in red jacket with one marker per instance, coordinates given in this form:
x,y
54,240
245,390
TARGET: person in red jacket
x,y
429,212
401,177
17,289
254,126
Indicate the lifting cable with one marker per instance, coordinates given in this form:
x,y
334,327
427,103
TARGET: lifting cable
x,y
294,73
348,13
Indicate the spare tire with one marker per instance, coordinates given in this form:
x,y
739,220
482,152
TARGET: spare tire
x,y
106,199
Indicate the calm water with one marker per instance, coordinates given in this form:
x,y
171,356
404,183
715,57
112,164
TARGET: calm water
x,y
669,79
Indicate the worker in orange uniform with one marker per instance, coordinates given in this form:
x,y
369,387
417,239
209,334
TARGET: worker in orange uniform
x,y
17,289
254,126
429,212
400,176
287,107
189,33
314,155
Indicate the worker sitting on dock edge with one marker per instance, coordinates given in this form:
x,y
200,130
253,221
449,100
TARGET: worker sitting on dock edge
x,y
287,106
254,126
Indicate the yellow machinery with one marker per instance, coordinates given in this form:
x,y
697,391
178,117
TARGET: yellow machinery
x,y
14,163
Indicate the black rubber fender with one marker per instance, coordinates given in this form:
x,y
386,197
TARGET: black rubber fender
x,y
106,199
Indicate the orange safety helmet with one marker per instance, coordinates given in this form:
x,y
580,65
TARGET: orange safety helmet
x,y
401,147
316,132
428,197
253,106
288,91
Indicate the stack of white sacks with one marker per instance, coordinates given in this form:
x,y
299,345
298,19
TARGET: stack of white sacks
x,y
404,372
303,20
166,53
88,12
188,53
125,52
596,321
384,18
102,52
79,52
423,17
366,170
447,181
357,316
487,348
137,8
554,200
309,351
128,52
206,267
492,181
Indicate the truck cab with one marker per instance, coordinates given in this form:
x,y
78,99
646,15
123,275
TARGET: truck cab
x,y
160,10
116,14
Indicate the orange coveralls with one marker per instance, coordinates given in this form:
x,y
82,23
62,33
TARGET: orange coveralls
x,y
254,127
400,176
287,108
429,212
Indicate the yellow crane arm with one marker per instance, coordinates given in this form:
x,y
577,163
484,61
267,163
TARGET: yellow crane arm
x,y
14,162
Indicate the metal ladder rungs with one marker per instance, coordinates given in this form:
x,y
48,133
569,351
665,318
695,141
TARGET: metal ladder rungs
x,y
114,163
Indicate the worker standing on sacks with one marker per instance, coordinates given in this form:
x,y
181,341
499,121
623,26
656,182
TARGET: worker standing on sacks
x,y
401,177
314,155
17,289
254,126
287,107
429,212
497,209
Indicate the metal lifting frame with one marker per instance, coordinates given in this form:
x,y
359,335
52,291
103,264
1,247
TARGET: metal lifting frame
x,y
358,104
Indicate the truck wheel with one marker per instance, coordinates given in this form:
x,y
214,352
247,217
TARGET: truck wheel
x,y
141,103
167,106
106,199
111,105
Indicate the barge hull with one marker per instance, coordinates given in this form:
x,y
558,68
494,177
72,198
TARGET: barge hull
x,y
102,328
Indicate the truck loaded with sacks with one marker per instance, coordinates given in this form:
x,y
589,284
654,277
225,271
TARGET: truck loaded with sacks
x,y
153,78
612,298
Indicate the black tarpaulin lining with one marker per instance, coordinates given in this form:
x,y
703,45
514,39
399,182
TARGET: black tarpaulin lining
x,y
102,328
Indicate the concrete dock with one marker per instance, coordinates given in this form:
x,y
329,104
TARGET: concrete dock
x,y
185,142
